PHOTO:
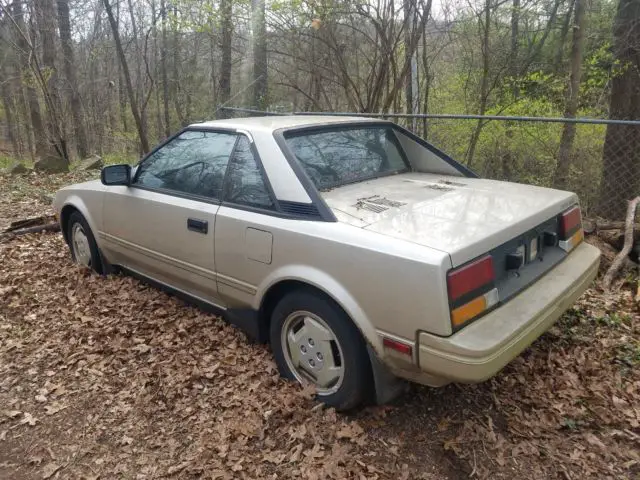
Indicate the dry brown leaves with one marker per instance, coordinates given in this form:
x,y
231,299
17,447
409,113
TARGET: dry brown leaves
x,y
107,378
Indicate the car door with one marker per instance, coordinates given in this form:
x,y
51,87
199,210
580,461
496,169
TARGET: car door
x,y
244,235
162,225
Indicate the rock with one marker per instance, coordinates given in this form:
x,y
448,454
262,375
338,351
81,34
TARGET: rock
x,y
51,164
94,162
17,169
46,198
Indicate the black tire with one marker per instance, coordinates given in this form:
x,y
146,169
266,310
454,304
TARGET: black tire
x,y
357,380
96,261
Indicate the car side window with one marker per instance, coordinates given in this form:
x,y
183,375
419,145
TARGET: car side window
x,y
194,162
245,184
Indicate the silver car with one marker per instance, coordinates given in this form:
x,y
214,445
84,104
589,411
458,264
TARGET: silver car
x,y
360,252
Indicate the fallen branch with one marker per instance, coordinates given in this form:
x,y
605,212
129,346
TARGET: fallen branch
x,y
628,245
49,227
594,226
30,222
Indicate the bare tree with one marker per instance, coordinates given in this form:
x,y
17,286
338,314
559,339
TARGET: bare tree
x,y
58,157
259,30
484,24
513,57
226,25
142,133
621,155
163,67
571,96
70,73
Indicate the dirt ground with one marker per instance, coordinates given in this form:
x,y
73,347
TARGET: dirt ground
x,y
108,378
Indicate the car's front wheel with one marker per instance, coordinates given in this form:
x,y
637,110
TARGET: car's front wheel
x,y
314,341
82,243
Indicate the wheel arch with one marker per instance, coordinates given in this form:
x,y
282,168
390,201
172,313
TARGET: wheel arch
x,y
318,281
387,386
75,204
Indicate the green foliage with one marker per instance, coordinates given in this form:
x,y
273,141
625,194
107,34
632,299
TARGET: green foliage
x,y
629,354
6,161
116,158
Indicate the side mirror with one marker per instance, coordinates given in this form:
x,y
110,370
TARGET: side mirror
x,y
116,175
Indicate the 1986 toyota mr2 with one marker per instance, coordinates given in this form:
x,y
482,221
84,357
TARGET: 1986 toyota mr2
x,y
360,252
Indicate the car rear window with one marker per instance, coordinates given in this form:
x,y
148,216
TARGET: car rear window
x,y
346,155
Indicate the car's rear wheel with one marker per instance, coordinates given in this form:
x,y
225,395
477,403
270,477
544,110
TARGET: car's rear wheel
x,y
314,341
82,243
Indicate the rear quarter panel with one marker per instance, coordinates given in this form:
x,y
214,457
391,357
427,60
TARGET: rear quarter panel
x,y
385,285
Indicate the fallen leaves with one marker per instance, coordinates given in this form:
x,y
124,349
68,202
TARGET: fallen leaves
x,y
49,470
125,381
565,398
28,419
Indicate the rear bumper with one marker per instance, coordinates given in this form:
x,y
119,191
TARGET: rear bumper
x,y
483,348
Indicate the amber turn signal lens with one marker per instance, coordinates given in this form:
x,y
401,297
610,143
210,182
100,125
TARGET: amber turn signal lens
x,y
475,307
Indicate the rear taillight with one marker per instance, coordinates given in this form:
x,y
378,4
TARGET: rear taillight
x,y
471,290
570,229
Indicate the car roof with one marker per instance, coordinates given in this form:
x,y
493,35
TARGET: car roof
x,y
276,122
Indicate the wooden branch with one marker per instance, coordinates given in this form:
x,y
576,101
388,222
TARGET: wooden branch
x,y
30,222
628,245
48,227
594,226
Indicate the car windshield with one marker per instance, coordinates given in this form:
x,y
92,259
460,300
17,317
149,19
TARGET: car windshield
x,y
346,155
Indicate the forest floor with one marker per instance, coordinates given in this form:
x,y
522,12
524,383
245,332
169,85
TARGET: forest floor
x,y
108,378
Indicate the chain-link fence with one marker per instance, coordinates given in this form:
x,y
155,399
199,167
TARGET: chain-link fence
x,y
598,159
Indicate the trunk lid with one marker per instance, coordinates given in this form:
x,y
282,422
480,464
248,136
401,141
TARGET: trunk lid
x,y
465,217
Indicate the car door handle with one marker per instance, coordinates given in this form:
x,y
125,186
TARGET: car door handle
x,y
195,225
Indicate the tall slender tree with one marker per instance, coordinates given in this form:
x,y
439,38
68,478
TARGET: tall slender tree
x,y
47,75
571,96
24,49
226,37
142,133
163,67
259,29
621,154
64,24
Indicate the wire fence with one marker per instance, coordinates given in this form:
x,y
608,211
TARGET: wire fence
x,y
598,159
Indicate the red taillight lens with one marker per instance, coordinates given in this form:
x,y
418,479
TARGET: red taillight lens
x,y
471,277
471,291
570,222
571,233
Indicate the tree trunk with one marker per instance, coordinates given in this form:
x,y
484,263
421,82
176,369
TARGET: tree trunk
x,y
165,77
70,72
513,58
621,155
6,91
37,125
156,73
139,86
176,75
224,85
58,157
563,37
426,87
144,142
411,92
408,90
484,85
571,97
260,100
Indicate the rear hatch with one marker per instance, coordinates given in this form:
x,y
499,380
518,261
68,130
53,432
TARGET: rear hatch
x,y
464,217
